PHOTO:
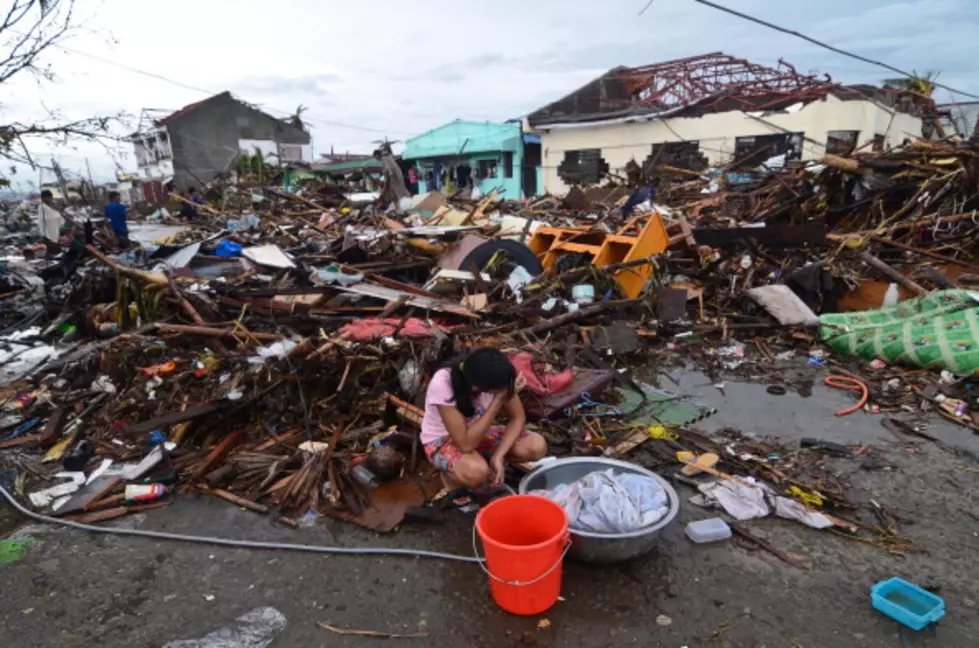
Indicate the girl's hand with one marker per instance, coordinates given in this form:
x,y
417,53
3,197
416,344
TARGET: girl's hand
x,y
497,469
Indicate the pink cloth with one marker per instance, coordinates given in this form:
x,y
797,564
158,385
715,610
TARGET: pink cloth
x,y
368,328
540,382
440,393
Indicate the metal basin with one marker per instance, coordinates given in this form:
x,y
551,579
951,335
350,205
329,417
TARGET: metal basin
x,y
602,547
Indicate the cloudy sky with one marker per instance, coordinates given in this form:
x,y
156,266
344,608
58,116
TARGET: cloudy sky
x,y
373,68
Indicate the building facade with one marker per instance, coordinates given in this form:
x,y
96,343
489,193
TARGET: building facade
x,y
962,118
486,155
202,140
708,111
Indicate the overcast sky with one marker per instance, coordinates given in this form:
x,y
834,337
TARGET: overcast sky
x,y
396,68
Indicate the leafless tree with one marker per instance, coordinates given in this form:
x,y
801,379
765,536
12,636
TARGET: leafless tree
x,y
29,29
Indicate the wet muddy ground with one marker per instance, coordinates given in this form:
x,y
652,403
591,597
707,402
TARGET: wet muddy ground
x,y
74,589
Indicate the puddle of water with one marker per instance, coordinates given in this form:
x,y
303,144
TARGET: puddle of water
x,y
808,412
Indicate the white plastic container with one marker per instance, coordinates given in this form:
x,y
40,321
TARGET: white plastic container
x,y
710,530
583,294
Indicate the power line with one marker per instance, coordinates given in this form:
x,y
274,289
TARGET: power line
x,y
160,77
858,57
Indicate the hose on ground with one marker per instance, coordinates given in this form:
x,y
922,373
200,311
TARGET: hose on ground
x,y
850,384
240,544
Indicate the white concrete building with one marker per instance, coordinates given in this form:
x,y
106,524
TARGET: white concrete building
x,y
712,110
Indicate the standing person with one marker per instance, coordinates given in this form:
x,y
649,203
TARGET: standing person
x,y
188,210
637,197
459,433
49,219
393,188
412,181
115,213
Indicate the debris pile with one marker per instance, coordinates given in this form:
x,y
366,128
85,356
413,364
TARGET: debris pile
x,y
274,350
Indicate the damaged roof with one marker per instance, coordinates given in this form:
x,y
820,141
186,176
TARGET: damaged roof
x,y
697,85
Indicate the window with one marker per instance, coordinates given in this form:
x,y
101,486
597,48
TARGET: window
x,y
753,150
291,152
841,142
683,155
584,166
487,168
878,145
507,164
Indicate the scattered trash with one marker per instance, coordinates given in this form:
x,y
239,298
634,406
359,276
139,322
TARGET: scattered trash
x,y
255,629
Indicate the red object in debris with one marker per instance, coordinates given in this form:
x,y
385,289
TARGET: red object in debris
x,y
159,370
851,384
540,382
369,329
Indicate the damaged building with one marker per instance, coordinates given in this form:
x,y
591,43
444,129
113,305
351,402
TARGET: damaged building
x,y
714,109
191,146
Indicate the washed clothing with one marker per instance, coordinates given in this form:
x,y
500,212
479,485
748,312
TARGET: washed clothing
x,y
49,222
440,393
445,454
115,212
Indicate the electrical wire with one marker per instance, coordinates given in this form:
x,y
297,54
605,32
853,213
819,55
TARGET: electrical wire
x,y
243,544
160,77
831,48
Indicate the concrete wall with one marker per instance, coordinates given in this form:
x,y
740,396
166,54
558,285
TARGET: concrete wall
x,y
622,142
205,140
157,170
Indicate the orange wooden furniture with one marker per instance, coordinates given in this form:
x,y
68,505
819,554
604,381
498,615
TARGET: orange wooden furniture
x,y
641,237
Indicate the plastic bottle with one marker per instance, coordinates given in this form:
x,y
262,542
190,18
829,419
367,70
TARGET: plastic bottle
x,y
709,530
145,492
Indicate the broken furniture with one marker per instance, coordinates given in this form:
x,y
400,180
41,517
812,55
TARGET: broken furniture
x,y
641,237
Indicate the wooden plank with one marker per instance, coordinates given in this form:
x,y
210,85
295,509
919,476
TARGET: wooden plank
x,y
218,453
110,485
240,501
99,516
20,441
175,417
54,426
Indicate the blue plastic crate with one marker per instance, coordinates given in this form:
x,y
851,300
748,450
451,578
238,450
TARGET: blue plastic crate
x,y
907,603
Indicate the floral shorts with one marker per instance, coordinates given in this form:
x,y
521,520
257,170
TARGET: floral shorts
x,y
444,453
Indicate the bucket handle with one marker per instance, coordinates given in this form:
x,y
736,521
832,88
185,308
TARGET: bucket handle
x,y
482,563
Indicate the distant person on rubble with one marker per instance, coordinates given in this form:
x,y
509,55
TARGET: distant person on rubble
x,y
459,431
393,189
115,213
188,210
638,197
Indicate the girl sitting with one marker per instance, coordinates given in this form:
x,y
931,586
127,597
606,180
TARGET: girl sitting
x,y
459,433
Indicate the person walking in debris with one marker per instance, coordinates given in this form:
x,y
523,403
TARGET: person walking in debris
x,y
115,213
393,188
459,433
49,219
638,197
188,210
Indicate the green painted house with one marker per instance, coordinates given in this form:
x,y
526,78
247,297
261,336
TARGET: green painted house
x,y
487,155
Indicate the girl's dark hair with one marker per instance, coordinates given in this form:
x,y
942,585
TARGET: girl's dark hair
x,y
486,370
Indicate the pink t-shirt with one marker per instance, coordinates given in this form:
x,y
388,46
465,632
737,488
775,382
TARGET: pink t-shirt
x,y
440,393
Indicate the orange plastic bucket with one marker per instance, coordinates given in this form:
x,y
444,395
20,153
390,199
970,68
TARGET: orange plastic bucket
x,y
525,538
